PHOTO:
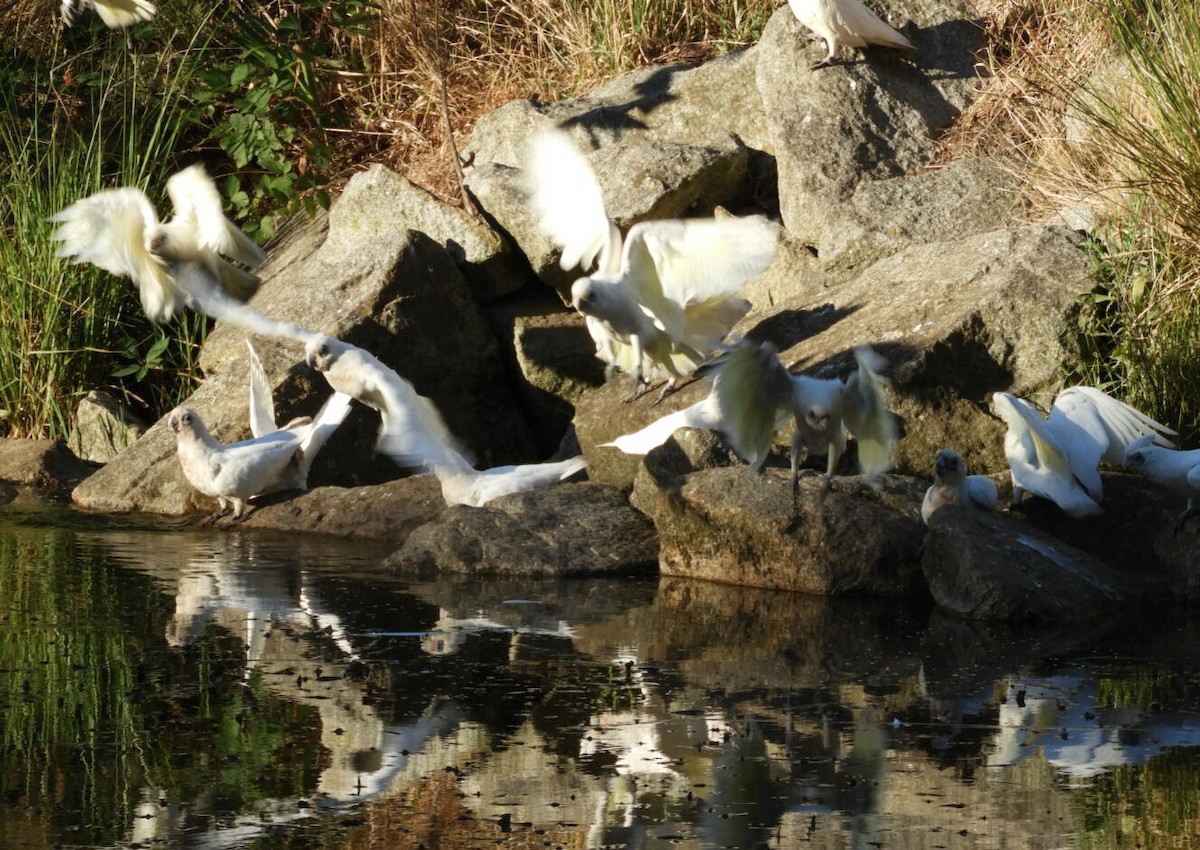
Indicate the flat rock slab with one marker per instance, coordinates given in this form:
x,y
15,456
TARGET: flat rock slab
x,y
568,529
992,566
45,468
732,526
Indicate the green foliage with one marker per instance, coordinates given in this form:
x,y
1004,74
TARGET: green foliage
x,y
1145,112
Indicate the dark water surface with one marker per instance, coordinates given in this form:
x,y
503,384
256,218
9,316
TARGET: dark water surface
x,y
240,690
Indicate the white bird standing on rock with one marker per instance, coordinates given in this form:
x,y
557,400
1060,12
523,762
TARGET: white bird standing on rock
x,y
660,301
174,264
116,14
236,472
953,486
847,22
1174,469
413,433
1058,457
753,395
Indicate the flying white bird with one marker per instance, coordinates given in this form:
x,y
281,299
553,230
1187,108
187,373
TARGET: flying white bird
x,y
846,22
174,264
753,395
236,472
953,486
1058,457
413,433
116,14
666,296
1174,469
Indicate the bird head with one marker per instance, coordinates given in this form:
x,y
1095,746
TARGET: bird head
x,y
816,416
183,420
948,465
1137,453
320,353
156,244
583,296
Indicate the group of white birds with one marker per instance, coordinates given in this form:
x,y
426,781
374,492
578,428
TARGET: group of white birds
x,y
657,302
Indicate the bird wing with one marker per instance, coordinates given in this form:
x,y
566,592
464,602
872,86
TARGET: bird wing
x,y
674,264
1047,473
567,200
702,414
865,412
1114,424
751,386
198,204
118,14
107,229
315,434
859,26
478,487
202,291
255,466
262,405
982,492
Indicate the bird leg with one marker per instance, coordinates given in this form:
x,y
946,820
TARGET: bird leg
x,y
828,61
640,385
222,509
668,388
1188,512
1017,494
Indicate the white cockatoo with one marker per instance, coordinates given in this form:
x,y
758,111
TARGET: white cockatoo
x,y
413,433
1174,469
1058,457
845,22
664,297
953,486
177,263
234,473
753,395
116,14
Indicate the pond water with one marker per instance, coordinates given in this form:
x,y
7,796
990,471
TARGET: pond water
x,y
243,690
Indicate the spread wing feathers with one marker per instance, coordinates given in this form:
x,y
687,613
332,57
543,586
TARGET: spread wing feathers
x,y
1113,424
412,431
262,404
478,487
1047,452
702,414
116,14
107,229
201,291
750,386
198,205
314,435
671,265
1038,462
568,202
859,26
707,323
865,412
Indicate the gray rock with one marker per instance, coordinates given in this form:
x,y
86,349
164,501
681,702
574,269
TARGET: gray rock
x,y
103,428
732,526
44,469
990,566
640,180
568,529
355,276
875,118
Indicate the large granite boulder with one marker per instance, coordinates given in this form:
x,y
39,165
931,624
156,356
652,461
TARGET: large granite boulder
x,y
103,428
725,524
362,276
568,529
42,469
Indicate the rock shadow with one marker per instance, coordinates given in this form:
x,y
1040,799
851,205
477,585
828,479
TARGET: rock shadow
x,y
788,327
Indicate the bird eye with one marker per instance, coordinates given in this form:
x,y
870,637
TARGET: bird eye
x,y
324,352
187,419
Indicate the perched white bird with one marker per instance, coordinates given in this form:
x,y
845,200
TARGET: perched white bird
x,y
412,431
174,264
116,14
953,486
1058,457
660,301
1174,469
236,472
846,22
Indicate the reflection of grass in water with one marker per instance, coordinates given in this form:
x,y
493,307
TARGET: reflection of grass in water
x,y
94,707
1156,805
1138,687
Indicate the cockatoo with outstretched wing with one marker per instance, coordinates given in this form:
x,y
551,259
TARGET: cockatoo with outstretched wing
x,y
116,14
847,22
413,433
177,263
1174,469
953,486
1058,457
664,297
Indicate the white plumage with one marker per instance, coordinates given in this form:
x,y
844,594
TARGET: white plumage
x,y
116,14
845,22
953,486
1058,457
664,297
1176,470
